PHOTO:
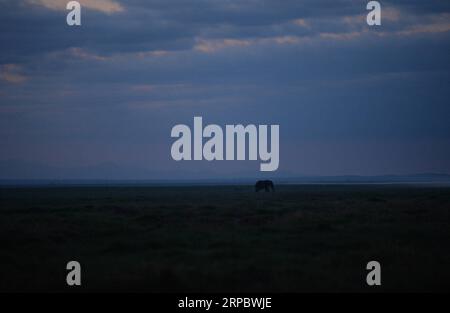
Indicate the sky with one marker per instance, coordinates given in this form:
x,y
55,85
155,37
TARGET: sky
x,y
99,100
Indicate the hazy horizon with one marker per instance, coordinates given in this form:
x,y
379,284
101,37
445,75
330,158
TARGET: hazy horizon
x,y
22,171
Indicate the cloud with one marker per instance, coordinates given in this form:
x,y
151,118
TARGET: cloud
x,y
105,6
301,22
11,73
155,53
439,23
158,28
215,45
80,53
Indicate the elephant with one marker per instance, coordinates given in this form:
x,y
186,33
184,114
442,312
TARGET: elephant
x,y
267,185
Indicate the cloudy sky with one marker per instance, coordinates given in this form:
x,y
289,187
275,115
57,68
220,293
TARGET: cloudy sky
x,y
99,100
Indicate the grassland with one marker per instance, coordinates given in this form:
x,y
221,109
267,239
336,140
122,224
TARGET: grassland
x,y
159,239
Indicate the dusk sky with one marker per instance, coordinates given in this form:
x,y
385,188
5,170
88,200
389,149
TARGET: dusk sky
x,y
99,100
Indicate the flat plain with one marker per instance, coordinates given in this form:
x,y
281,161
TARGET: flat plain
x,y
225,238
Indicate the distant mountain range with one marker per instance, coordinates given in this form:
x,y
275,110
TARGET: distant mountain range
x,y
15,172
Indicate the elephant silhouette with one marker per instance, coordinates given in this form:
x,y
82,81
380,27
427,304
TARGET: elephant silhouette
x,y
267,185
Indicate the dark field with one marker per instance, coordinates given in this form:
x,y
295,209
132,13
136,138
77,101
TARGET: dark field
x,y
158,239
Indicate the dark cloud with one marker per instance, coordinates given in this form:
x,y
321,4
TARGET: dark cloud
x,y
175,25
